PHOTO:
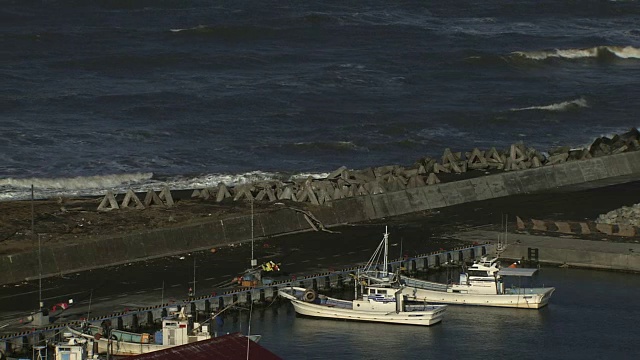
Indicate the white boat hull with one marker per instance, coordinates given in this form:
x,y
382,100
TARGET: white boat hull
x,y
532,300
431,314
124,348
121,348
319,311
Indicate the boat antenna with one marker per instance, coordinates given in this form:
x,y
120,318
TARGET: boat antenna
x,y
506,227
355,284
194,274
502,240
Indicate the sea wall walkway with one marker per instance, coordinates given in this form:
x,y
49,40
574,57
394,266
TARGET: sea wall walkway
x,y
587,173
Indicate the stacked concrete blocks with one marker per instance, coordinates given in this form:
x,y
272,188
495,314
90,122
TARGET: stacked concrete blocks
x,y
131,200
345,183
579,228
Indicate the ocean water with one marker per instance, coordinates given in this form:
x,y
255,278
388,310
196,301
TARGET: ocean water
x,y
111,94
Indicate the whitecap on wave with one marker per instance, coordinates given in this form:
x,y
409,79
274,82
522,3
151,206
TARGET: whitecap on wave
x,y
20,189
213,180
562,106
195,28
623,52
77,183
44,188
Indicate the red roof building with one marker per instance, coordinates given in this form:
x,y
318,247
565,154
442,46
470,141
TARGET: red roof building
x,y
226,347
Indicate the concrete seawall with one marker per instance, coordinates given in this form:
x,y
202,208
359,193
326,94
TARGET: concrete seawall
x,y
589,173
562,251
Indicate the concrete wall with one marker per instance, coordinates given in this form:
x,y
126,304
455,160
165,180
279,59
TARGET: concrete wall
x,y
577,227
625,167
581,256
163,242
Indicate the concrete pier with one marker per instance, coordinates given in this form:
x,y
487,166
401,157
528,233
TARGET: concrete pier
x,y
201,307
622,256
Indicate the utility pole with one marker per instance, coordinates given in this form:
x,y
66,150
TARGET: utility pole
x,y
254,262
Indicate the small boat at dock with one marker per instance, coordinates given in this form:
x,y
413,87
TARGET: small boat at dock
x,y
383,302
484,283
377,304
175,331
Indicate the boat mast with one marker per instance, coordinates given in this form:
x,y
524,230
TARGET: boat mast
x,y
355,284
254,262
386,249
502,240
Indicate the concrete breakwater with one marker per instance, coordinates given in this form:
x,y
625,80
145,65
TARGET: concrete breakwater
x,y
346,183
586,228
605,255
594,168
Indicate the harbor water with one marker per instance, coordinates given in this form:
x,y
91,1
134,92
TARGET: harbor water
x,y
591,315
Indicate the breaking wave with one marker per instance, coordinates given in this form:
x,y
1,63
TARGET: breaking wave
x,y
77,183
623,52
20,189
563,106
229,32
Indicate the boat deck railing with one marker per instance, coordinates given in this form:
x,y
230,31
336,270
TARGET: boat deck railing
x,y
423,284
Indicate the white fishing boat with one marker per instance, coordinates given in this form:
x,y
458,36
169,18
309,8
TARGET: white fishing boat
x,y
377,304
483,283
175,332
73,347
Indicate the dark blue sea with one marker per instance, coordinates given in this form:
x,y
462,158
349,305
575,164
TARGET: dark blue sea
x,y
112,94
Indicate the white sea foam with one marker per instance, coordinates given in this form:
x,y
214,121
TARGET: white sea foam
x,y
562,106
77,183
199,27
624,52
20,189
213,180
308,175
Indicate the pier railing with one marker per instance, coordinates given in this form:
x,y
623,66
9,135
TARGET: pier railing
x,y
241,295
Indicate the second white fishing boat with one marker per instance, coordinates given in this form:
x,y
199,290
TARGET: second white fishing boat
x,y
482,284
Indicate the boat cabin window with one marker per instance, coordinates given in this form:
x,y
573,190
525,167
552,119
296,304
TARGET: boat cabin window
x,y
477,273
382,292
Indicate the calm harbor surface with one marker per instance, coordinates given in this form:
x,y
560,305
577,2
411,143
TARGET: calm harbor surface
x,y
590,316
